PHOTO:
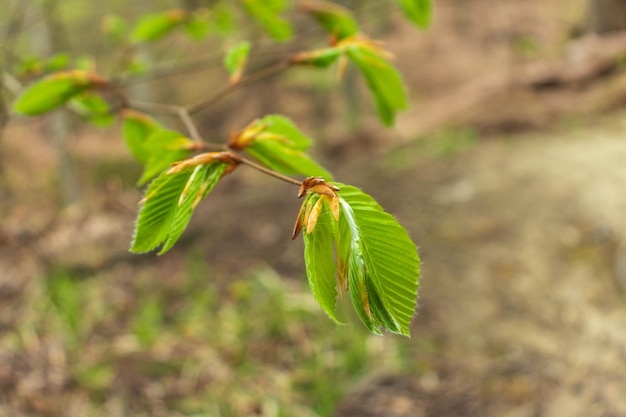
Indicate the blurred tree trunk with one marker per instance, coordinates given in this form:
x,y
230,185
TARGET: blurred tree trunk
x,y
607,15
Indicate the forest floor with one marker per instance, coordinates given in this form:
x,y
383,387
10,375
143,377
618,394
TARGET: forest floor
x,y
515,197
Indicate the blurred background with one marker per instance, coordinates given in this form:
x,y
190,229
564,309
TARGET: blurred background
x,y
508,171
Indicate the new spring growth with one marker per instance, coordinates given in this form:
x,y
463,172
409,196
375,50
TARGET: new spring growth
x,y
312,210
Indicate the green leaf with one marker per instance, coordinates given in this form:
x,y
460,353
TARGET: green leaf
x,y
169,203
319,258
322,58
93,108
54,91
383,81
155,26
199,185
266,13
164,148
287,160
236,59
417,11
198,24
335,19
136,129
287,130
279,144
380,260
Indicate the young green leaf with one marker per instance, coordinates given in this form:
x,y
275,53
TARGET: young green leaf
x,y
200,184
323,57
93,108
376,260
54,91
383,81
417,11
236,59
169,203
319,256
198,24
164,148
136,129
335,19
154,26
380,260
266,13
276,142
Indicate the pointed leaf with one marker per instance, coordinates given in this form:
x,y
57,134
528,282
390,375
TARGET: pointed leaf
x,y
54,91
136,129
335,19
285,159
267,15
286,129
279,144
158,211
199,185
383,81
380,260
417,11
164,148
236,59
154,26
169,204
319,258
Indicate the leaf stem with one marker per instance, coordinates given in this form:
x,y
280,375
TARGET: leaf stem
x,y
269,172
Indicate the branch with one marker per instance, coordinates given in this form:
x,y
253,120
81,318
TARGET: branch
x,y
254,78
269,171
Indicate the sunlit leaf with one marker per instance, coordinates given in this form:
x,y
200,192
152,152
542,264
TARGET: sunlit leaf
x,y
164,214
199,185
319,257
267,14
136,129
279,144
236,59
335,19
54,91
380,260
417,11
154,26
164,147
383,81
376,260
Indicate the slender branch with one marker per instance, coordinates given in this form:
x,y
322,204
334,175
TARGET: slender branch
x,y
189,124
256,77
269,171
158,108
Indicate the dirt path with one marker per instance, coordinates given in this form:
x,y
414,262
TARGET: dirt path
x,y
523,258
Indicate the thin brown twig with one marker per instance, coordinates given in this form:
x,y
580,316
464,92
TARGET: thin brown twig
x,y
269,171
254,78
189,124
